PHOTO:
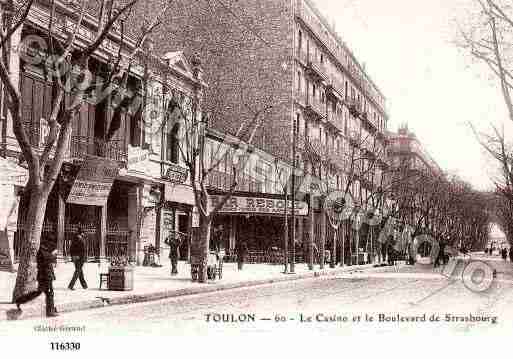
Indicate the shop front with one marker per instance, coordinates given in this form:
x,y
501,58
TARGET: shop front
x,y
259,221
177,211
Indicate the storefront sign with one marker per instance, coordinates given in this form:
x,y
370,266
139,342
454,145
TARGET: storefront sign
x,y
195,219
175,173
168,222
94,182
138,160
258,205
179,193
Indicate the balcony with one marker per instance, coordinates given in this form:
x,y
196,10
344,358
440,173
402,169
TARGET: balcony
x,y
219,180
316,69
334,90
335,120
316,108
355,108
314,147
311,19
86,145
371,125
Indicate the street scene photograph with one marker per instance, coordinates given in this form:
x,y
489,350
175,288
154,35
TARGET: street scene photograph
x,y
201,168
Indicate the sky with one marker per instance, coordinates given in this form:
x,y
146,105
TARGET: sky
x,y
408,50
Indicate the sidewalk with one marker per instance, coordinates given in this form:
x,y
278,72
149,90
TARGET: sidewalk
x,y
151,283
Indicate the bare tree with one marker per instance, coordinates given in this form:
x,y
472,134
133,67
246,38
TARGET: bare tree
x,y
44,168
193,135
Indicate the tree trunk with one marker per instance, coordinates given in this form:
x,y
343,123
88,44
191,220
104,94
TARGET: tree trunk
x,y
203,247
343,228
323,235
311,234
26,280
333,262
357,246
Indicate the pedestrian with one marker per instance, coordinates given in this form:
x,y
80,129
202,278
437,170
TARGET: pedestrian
x,y
46,258
315,251
173,241
217,238
77,250
304,249
440,255
241,249
511,253
504,253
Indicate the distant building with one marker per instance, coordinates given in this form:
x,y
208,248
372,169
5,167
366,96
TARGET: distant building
x,y
405,148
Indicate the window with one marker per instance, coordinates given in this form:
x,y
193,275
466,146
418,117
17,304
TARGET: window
x,y
299,81
299,40
172,143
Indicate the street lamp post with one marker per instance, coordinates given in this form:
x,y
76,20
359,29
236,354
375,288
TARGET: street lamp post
x,y
293,248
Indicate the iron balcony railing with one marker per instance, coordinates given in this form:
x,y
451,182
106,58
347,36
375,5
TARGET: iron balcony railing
x,y
335,89
87,145
316,106
317,68
335,119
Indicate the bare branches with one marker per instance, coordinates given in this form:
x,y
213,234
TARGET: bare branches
x,y
6,35
488,39
105,31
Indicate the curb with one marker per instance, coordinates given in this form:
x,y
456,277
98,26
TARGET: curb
x,y
32,312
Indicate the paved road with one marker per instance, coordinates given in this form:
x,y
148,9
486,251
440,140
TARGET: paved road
x,y
341,305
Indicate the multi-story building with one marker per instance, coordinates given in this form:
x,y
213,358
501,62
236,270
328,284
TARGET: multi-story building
x,y
405,149
415,170
149,192
280,63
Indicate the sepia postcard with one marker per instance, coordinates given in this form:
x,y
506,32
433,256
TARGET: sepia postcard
x,y
313,173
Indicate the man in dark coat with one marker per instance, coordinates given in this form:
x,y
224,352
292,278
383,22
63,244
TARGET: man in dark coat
x,y
77,251
511,253
173,241
46,257
217,238
241,249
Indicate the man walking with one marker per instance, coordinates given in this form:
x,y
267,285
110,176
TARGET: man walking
x,y
511,253
46,257
78,256
173,242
